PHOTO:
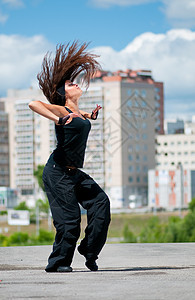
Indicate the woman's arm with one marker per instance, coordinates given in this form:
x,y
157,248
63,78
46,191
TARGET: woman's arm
x,y
87,115
50,111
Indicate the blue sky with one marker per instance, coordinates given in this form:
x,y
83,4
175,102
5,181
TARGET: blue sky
x,y
135,34
62,20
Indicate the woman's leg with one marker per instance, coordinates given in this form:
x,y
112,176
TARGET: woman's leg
x,y
96,202
66,215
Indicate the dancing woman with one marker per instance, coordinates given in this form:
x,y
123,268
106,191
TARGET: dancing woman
x,y
66,185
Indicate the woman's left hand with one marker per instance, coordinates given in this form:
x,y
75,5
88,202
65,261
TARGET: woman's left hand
x,y
96,109
94,113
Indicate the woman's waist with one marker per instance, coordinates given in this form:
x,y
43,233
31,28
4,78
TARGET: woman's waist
x,y
65,162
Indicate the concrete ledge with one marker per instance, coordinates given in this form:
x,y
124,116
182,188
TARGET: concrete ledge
x,y
126,271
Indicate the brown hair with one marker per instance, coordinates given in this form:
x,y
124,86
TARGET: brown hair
x,y
68,63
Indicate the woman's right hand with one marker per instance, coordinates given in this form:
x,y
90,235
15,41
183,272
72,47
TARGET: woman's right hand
x,y
72,115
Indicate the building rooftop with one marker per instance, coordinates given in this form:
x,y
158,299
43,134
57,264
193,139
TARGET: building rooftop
x,y
128,75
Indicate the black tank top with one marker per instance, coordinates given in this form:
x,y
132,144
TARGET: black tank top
x,y
71,142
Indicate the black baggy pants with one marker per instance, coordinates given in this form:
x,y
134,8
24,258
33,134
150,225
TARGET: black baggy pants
x,y
65,189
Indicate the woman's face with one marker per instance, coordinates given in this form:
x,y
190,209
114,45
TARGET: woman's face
x,y
72,89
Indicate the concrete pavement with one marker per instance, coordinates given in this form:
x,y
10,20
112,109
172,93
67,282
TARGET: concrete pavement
x,y
126,271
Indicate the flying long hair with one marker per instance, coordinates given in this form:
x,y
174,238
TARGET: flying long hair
x,y
68,63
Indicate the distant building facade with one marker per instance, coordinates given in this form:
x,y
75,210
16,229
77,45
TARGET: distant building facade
x,y
171,189
8,198
174,126
133,114
175,149
4,147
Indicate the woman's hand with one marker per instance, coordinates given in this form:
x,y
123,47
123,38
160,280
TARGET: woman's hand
x,y
72,115
67,120
95,112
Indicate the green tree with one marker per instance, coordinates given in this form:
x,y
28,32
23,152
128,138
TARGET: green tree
x,y
192,205
38,174
43,205
21,206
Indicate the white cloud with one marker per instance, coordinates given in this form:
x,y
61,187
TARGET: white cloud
x,y
180,13
13,3
170,56
20,60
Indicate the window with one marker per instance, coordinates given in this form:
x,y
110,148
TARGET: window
x,y
145,179
138,168
165,144
137,157
138,179
130,149
144,114
130,157
130,179
145,158
137,147
136,93
143,93
131,169
144,125
145,147
129,92
144,136
145,168
129,103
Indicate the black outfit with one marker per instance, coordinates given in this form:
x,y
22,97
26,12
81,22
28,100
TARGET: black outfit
x,y
66,188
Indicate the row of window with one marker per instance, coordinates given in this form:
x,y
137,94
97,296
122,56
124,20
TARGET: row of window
x,y
136,92
137,157
177,143
138,147
173,163
138,179
138,168
178,153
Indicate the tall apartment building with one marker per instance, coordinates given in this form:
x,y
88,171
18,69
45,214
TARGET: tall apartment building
x,y
133,114
94,156
4,147
32,139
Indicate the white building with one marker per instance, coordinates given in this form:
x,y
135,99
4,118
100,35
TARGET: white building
x,y
170,189
173,149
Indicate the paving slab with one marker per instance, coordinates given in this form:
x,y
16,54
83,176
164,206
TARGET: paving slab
x,y
126,271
